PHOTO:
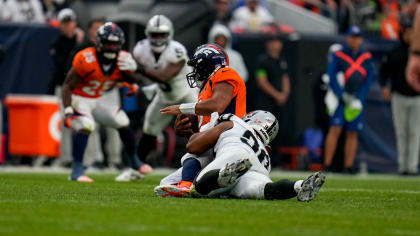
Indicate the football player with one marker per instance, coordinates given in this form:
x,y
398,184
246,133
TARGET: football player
x,y
242,164
164,61
94,71
222,90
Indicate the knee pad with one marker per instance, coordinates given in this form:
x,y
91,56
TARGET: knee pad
x,y
83,123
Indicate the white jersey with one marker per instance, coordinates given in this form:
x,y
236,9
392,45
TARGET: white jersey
x,y
176,88
242,136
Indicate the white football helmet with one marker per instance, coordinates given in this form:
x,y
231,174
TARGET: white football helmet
x,y
159,31
264,123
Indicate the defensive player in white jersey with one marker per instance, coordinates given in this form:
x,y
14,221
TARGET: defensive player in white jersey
x,y
242,165
164,61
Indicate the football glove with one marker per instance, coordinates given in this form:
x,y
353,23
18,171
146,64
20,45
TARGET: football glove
x,y
224,117
126,62
132,89
69,116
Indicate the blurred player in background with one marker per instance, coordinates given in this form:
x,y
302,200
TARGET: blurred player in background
x,y
113,144
222,90
350,94
241,167
164,61
96,70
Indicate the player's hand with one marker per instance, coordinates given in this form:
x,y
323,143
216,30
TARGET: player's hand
x,y
412,72
183,126
171,110
69,115
280,99
132,89
126,62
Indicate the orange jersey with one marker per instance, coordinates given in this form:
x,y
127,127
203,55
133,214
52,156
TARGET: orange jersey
x,y
95,82
237,105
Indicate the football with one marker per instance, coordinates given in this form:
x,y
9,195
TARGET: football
x,y
193,119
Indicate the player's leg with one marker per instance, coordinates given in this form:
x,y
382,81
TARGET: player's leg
x,y
173,186
113,147
114,117
214,178
350,146
154,123
82,125
254,185
336,124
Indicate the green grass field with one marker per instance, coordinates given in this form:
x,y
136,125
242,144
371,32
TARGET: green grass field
x,y
48,204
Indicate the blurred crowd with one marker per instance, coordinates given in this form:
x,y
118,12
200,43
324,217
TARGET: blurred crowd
x,y
391,18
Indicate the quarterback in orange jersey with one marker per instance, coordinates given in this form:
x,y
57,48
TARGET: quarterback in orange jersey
x,y
222,91
94,71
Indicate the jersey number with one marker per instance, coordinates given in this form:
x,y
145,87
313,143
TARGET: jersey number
x,y
249,139
93,86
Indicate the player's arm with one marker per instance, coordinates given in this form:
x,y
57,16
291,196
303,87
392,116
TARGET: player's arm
x,y
222,97
70,83
203,141
162,76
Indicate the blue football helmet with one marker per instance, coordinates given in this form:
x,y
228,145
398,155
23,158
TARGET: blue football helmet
x,y
109,41
207,59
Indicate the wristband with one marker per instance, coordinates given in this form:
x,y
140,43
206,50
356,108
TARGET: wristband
x,y
68,110
188,108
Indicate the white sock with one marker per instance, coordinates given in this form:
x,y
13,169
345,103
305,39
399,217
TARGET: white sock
x,y
298,185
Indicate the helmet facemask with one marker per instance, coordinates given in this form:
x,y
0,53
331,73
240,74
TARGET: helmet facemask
x,y
158,41
202,71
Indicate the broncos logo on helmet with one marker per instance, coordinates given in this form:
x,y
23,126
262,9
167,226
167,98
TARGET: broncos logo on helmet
x,y
207,59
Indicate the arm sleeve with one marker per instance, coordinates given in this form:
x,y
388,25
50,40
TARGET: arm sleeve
x,y
369,80
332,70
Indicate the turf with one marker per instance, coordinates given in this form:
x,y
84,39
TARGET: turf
x,y
48,204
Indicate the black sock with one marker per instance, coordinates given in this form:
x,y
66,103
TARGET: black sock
x,y
282,189
190,169
147,143
207,182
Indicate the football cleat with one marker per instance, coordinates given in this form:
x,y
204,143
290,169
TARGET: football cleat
x,y
231,172
128,175
82,179
310,186
145,169
172,191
